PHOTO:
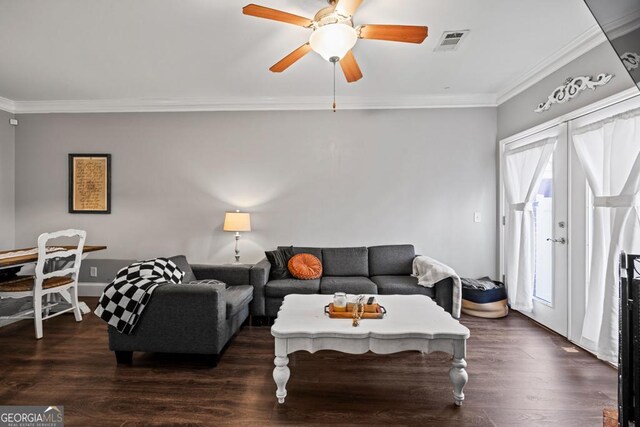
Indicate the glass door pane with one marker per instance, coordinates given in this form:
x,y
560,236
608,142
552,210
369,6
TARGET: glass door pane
x,y
543,229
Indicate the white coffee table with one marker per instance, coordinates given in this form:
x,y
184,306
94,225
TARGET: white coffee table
x,y
413,322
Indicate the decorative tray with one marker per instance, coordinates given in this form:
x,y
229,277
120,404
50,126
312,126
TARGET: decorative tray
x,y
371,311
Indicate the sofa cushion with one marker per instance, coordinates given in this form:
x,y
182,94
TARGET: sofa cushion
x,y
401,285
236,298
183,264
284,287
305,267
350,285
317,252
279,260
391,260
345,261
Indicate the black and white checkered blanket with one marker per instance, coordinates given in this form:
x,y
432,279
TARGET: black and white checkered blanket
x,y
123,300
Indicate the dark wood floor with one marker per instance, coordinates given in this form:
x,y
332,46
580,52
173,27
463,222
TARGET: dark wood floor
x,y
519,374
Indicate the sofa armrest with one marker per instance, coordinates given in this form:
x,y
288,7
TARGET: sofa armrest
x,y
259,278
444,294
232,274
178,319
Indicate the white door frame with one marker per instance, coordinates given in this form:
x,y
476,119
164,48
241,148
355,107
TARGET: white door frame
x,y
551,314
539,130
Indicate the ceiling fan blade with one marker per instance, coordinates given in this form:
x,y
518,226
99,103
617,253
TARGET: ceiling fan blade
x,y
347,7
350,68
394,33
275,15
290,59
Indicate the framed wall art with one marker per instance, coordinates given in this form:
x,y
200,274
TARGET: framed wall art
x,y
90,183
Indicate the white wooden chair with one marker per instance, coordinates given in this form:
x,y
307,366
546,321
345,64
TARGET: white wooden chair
x,y
61,278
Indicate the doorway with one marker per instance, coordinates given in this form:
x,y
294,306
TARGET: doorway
x,y
562,210
536,230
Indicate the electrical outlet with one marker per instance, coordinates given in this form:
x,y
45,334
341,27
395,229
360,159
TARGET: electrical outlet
x,y
477,217
93,271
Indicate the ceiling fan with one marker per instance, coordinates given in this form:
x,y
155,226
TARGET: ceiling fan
x,y
334,34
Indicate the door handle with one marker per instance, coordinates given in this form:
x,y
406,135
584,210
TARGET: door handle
x,y
561,240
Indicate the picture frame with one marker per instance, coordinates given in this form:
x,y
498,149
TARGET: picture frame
x,y
89,183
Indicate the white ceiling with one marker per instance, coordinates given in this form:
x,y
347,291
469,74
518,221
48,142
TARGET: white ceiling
x,y
208,51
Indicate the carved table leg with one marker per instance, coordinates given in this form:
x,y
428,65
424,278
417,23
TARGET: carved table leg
x,y
457,373
281,371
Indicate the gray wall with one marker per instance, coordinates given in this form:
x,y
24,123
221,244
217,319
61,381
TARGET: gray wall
x,y
7,211
517,114
7,176
307,177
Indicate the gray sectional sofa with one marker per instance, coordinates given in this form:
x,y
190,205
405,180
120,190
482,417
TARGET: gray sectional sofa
x,y
192,318
382,270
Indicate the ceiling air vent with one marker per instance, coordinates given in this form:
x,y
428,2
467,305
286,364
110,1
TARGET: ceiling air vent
x,y
450,40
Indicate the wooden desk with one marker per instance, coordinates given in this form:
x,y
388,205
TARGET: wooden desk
x,y
33,258
23,260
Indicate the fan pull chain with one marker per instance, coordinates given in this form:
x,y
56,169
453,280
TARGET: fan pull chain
x,y
334,86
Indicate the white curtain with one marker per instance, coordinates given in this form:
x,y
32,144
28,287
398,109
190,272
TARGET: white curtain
x,y
609,152
523,170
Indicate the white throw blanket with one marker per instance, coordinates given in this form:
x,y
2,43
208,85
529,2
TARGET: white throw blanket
x,y
429,272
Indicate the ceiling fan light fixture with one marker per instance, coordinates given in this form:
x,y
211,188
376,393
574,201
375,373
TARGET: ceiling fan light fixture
x,y
334,35
333,40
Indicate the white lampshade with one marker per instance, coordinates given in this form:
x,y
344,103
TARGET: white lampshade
x,y
333,40
237,221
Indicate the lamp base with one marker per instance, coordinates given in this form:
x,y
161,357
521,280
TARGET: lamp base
x,y
237,249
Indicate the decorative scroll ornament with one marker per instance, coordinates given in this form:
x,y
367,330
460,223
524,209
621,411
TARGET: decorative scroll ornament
x,y
631,60
572,87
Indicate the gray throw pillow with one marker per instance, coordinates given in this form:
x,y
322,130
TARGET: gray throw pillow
x,y
279,260
183,264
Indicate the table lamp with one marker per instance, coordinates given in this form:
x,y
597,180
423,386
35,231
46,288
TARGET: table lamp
x,y
237,221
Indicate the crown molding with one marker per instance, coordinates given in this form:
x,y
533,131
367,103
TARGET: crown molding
x,y
578,47
252,104
7,105
623,25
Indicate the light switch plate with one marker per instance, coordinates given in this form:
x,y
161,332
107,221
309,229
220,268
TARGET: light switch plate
x,y
477,217
93,271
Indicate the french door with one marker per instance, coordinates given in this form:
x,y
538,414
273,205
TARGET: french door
x,y
542,237
562,207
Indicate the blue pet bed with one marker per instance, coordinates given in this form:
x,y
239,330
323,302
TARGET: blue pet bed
x,y
484,298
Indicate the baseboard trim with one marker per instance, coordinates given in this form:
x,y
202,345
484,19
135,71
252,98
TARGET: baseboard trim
x,y
91,289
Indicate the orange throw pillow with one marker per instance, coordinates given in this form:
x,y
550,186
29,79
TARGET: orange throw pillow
x,y
305,267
